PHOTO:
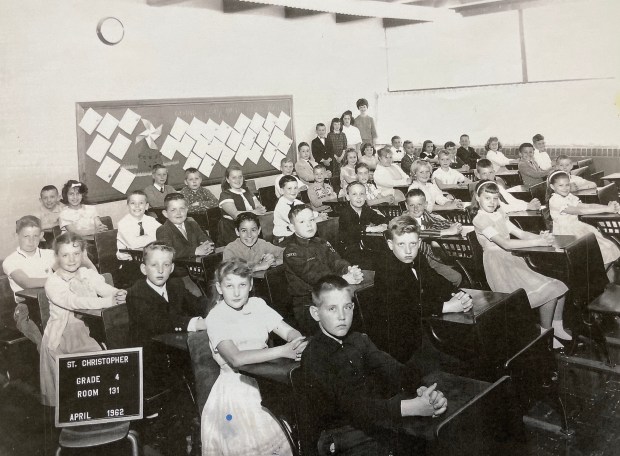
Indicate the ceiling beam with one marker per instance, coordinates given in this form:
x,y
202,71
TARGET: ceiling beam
x,y
388,22
293,13
340,18
364,8
236,6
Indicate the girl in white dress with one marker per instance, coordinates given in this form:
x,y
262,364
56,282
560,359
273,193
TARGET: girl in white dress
x,y
565,208
233,419
506,272
354,137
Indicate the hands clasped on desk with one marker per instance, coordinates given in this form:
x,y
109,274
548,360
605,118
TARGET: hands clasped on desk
x,y
206,248
354,275
460,302
429,402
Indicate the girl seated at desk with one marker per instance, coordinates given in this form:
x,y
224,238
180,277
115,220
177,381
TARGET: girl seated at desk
x,y
565,208
76,216
71,287
235,199
506,272
233,419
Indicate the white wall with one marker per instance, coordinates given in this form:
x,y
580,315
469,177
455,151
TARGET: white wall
x,y
579,113
51,58
563,41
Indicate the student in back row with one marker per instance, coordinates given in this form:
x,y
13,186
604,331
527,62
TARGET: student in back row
x,y
530,172
564,163
365,123
158,190
466,153
198,198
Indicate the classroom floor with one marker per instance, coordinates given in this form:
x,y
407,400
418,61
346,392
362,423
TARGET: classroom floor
x,y
592,398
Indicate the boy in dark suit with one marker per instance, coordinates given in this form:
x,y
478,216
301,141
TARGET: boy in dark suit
x,y
358,394
408,289
158,304
319,151
184,235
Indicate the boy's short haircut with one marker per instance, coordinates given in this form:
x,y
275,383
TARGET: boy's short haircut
x,y
172,197
394,138
562,157
320,124
484,163
524,145
415,192
302,144
47,188
443,152
464,135
285,180
27,221
245,217
361,102
407,142
69,238
328,283
136,192
384,151
359,165
296,209
189,171
537,137
157,166
285,160
401,225
449,144
320,166
157,245
355,183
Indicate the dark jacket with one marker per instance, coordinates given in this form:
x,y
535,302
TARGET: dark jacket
x,y
401,301
468,156
351,225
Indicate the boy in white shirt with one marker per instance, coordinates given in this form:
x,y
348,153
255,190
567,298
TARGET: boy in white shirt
x,y
135,230
397,149
50,207
540,152
287,167
444,175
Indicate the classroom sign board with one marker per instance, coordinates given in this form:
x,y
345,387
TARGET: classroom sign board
x,y
99,387
118,142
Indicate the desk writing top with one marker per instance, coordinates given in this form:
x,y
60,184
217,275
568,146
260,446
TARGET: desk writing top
x,y
175,340
482,302
612,177
586,218
586,192
277,370
561,242
29,293
526,213
196,259
518,189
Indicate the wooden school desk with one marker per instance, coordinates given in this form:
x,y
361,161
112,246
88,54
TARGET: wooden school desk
x,y
31,299
529,220
615,178
468,399
511,177
521,192
587,196
459,191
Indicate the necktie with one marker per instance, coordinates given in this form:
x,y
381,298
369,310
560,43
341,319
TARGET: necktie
x,y
161,190
141,233
182,228
163,295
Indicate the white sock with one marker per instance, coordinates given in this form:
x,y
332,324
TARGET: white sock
x,y
557,343
558,330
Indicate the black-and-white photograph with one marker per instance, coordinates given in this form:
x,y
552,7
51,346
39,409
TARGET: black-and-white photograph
x,y
310,227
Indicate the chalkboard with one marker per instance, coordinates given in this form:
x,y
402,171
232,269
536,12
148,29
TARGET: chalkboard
x,y
107,168
99,387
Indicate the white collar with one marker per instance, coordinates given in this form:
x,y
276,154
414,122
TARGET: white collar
x,y
25,255
157,186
